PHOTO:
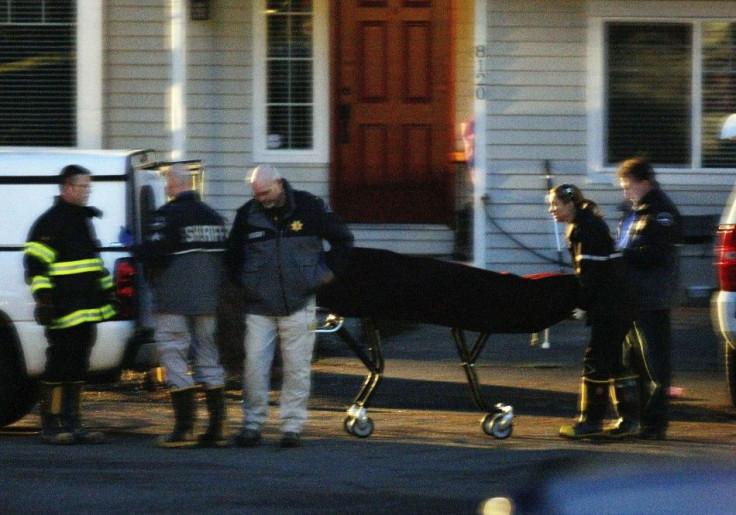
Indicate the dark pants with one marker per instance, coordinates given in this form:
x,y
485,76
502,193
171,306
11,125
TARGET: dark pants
x,y
67,356
656,327
604,357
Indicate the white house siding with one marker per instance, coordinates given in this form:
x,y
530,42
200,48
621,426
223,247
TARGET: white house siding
x,y
219,99
537,111
219,93
536,73
137,74
220,130
220,112
219,108
535,93
219,85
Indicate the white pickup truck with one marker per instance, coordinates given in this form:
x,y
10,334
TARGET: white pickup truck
x,y
127,186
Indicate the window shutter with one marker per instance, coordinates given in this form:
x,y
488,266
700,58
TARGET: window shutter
x,y
37,73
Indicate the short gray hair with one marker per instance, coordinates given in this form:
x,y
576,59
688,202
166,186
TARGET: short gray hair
x,y
264,174
179,173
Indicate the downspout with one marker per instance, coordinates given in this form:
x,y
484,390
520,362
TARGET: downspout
x,y
177,89
479,114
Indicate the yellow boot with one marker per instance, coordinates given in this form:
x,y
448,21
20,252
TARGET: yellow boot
x,y
593,406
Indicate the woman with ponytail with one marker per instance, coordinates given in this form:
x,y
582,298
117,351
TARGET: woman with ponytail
x,y
609,306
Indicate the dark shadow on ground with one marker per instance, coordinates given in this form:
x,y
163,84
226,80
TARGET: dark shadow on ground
x,y
338,390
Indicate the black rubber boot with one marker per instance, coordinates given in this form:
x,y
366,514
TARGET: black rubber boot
x,y
53,428
652,395
625,394
654,413
72,413
593,406
216,435
184,404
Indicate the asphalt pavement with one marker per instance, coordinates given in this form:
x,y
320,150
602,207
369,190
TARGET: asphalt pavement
x,y
427,454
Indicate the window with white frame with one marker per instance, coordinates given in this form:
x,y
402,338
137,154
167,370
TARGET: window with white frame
x,y
290,88
37,73
667,88
289,75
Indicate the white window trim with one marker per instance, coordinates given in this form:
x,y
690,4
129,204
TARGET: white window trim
x,y
89,65
694,13
321,114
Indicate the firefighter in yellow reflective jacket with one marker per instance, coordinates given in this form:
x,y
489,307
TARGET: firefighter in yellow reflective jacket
x,y
73,291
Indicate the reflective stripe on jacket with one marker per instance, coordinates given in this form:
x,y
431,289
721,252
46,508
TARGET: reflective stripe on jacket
x,y
63,266
651,250
605,291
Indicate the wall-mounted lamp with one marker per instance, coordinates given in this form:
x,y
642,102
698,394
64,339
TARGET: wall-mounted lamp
x,y
199,10
728,131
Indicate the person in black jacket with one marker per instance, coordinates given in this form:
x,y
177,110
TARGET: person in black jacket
x,y
73,292
182,253
276,253
648,237
608,302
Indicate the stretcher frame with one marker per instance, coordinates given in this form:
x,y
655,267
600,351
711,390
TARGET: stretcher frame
x,y
498,422
376,284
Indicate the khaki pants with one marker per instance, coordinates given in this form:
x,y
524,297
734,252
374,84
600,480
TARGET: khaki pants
x,y
184,338
296,338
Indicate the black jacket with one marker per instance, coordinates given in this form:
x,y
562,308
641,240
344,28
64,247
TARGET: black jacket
x,y
281,263
605,291
650,250
182,251
63,266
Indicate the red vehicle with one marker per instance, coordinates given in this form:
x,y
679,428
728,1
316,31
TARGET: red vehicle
x,y
724,301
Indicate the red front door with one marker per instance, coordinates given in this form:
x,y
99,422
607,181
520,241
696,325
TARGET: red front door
x,y
392,114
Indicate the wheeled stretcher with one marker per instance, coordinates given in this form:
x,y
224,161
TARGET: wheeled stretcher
x,y
379,284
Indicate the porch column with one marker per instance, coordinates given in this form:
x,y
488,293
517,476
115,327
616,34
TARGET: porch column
x,y
479,162
89,73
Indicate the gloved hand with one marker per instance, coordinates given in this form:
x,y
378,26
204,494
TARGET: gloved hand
x,y
578,314
328,278
116,303
44,313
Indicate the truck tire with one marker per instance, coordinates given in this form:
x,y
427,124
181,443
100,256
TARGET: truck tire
x,y
18,394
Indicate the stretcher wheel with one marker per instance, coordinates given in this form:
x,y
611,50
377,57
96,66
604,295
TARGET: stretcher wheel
x,y
499,424
361,428
496,425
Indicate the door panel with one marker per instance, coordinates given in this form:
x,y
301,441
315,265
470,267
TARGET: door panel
x,y
393,133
